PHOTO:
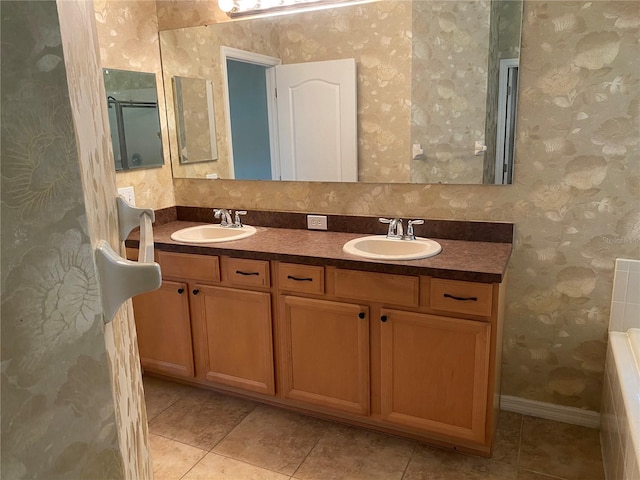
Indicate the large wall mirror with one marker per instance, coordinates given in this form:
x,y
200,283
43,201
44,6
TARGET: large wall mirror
x,y
436,83
134,120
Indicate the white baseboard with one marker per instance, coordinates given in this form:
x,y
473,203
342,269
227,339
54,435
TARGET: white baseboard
x,y
550,411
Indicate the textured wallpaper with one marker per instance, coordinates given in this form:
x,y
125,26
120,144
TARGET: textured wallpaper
x,y
58,419
84,74
575,201
173,14
128,36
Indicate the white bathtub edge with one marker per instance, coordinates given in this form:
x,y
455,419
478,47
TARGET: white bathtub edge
x,y
629,383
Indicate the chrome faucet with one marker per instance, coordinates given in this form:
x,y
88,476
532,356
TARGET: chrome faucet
x,y
224,215
396,229
238,222
410,235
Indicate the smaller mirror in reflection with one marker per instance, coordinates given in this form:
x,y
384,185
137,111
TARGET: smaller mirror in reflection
x,y
195,120
134,119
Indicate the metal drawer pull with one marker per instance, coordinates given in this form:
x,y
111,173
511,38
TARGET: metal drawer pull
x,y
239,272
462,299
299,279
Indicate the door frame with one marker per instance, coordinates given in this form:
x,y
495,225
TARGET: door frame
x,y
229,53
506,65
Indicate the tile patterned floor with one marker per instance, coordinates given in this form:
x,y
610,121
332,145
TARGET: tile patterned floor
x,y
200,435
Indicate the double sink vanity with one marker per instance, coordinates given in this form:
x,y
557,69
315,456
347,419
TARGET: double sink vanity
x,y
384,333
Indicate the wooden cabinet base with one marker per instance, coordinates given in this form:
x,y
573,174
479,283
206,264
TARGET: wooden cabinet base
x,y
407,355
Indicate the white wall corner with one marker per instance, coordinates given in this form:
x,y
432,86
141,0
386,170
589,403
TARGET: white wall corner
x,y
550,411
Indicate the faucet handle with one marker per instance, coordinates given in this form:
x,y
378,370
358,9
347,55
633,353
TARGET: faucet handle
x,y
222,214
238,222
394,224
410,235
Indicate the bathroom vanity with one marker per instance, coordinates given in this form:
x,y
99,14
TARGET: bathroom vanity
x,y
287,318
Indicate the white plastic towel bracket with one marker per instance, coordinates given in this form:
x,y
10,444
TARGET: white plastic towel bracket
x,y
121,279
129,217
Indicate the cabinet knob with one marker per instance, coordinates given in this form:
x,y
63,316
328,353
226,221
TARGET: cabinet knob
x,y
181,291
196,291
361,315
383,318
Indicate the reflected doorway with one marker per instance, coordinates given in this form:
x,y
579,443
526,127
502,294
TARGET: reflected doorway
x,y
249,116
249,89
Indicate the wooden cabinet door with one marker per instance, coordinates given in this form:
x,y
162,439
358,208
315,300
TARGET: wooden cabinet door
x,y
325,350
164,330
434,373
234,331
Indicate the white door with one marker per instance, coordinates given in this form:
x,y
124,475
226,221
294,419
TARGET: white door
x,y
317,121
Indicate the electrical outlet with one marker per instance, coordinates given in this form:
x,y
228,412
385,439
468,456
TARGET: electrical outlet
x,y
317,222
128,194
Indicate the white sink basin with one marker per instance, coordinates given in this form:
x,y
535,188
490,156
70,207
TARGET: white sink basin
x,y
379,247
212,233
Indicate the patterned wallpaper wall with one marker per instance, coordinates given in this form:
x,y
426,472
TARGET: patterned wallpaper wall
x,y
58,418
128,36
575,201
173,14
84,74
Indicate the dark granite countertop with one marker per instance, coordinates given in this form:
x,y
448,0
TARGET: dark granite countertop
x,y
478,261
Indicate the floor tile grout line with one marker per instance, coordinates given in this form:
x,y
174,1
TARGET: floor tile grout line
x,y
247,463
193,466
234,427
320,437
546,475
149,420
519,442
406,467
181,396
180,442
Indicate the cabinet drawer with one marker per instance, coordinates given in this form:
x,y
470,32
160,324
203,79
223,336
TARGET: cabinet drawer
x,y
301,278
379,287
461,297
203,268
240,271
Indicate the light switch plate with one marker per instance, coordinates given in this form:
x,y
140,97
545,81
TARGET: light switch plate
x,y
128,194
317,222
